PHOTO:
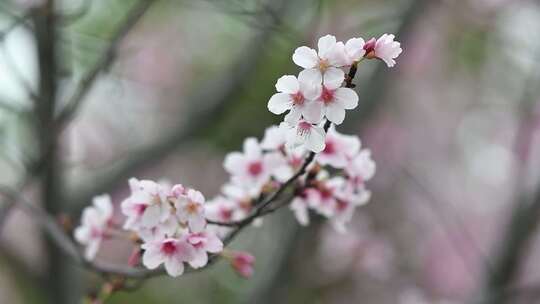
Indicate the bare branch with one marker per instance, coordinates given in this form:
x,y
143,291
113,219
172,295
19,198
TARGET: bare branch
x,y
104,61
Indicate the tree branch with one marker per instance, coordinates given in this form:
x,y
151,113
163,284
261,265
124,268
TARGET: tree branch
x,y
104,61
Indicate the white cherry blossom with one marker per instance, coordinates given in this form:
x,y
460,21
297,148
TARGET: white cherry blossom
x,y
339,149
319,63
203,242
303,133
147,205
94,223
172,252
252,167
384,48
296,95
190,210
334,99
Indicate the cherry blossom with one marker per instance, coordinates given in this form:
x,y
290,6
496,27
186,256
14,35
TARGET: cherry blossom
x,y
360,168
296,95
274,138
384,48
334,99
202,243
147,205
339,149
350,52
300,205
190,209
172,252
94,223
251,167
326,60
305,134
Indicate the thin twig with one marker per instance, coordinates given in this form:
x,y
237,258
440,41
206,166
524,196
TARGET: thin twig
x,y
104,61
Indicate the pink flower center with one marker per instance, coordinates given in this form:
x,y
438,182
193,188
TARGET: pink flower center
x,y
168,248
326,194
330,148
255,168
140,208
295,161
327,95
303,128
298,98
225,213
96,233
341,205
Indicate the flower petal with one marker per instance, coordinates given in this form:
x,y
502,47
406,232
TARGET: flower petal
x,y
312,111
305,57
152,258
335,113
287,84
333,78
279,103
315,139
346,97
325,45
174,266
355,48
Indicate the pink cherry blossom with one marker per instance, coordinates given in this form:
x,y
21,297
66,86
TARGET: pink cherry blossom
x,y
339,149
190,209
327,59
360,168
172,252
252,167
384,48
334,99
274,138
202,243
300,205
94,223
296,95
305,134
147,205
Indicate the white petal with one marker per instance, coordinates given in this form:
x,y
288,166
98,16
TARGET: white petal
x,y
305,57
214,244
82,234
199,260
91,250
233,162
325,45
355,48
151,216
310,77
279,103
333,78
174,266
315,139
293,116
104,205
152,258
252,148
335,113
312,111
346,97
197,223
287,84
337,56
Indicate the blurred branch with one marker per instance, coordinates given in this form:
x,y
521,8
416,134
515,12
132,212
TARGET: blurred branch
x,y
525,217
208,103
104,61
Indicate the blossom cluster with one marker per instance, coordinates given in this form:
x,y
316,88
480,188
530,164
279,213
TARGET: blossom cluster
x,y
319,91
173,225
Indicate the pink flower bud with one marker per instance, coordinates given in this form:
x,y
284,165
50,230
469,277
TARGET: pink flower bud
x,y
242,263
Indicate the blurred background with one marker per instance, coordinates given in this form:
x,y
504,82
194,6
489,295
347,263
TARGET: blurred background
x,y
453,129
